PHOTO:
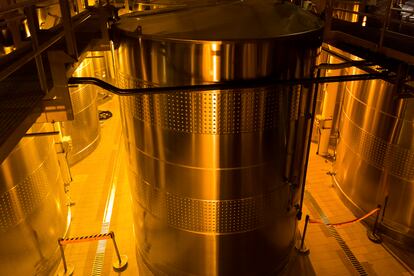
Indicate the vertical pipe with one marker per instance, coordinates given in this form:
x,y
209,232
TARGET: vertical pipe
x,y
315,88
326,118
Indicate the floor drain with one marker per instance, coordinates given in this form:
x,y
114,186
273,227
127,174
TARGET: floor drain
x,y
348,252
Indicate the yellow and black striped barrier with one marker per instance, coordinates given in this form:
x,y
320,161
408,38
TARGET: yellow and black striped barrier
x,y
119,264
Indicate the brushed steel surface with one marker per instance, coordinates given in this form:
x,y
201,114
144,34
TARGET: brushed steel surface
x,y
33,211
209,170
375,154
85,128
228,20
340,87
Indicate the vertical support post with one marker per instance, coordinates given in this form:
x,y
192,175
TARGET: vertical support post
x,y
328,19
58,105
33,24
385,23
315,89
104,24
68,28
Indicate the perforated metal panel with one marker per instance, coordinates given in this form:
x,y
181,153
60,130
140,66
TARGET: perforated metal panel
x,y
208,216
394,159
224,112
21,200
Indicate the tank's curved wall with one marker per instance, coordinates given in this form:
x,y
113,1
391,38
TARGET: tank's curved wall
x,y
208,169
33,211
375,154
85,128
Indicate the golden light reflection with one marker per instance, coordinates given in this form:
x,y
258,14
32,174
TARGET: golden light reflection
x,y
355,16
26,29
364,21
8,50
215,52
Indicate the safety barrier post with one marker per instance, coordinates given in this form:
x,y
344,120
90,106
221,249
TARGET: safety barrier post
x,y
373,235
67,269
302,249
119,264
122,262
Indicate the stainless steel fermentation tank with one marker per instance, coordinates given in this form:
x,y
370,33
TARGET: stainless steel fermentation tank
x,y
210,170
33,211
375,155
85,128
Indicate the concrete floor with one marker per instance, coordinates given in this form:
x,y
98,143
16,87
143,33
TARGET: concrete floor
x,y
102,203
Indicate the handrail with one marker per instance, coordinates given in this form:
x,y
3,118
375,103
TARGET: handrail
x,y
393,20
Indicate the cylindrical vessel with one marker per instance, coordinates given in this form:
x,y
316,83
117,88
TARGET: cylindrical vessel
x,y
85,129
375,155
33,211
214,174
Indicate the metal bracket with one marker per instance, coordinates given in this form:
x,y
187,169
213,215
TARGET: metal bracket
x,y
57,103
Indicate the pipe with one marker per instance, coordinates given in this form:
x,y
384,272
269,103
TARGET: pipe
x,y
34,134
347,59
344,65
240,84
309,138
325,120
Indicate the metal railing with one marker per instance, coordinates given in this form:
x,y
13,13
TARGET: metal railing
x,y
387,28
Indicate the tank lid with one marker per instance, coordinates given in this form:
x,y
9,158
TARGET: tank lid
x,y
228,20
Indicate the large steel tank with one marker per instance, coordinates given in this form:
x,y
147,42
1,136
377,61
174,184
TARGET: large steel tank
x,y
85,129
33,211
375,155
214,173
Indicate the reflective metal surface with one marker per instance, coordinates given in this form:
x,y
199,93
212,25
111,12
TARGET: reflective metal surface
x,y
33,211
85,128
334,105
210,170
341,10
375,155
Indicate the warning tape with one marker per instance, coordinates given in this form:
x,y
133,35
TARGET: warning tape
x,y
346,222
97,237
